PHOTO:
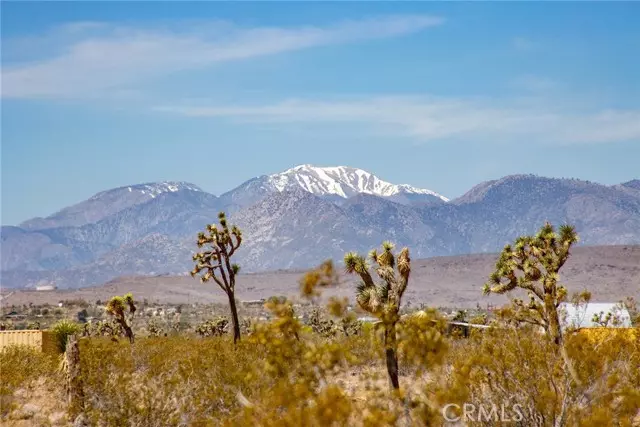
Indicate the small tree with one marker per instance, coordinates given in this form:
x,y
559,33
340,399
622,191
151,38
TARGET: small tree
x,y
122,308
533,264
383,300
215,263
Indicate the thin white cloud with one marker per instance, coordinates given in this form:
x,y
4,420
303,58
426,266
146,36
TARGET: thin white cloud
x,y
97,57
438,119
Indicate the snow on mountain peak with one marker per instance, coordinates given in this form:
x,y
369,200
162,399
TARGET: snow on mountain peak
x,y
156,188
152,189
342,181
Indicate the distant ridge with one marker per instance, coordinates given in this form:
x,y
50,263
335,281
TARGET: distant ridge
x,y
300,217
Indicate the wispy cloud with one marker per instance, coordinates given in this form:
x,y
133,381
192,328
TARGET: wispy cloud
x,y
98,57
438,119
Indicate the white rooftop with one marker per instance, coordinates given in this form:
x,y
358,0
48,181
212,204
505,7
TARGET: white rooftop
x,y
582,316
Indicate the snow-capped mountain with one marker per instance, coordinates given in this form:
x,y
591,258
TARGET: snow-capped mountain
x,y
342,181
109,202
336,182
153,189
300,217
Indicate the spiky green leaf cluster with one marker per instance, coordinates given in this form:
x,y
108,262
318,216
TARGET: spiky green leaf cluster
x,y
123,308
381,299
533,260
118,306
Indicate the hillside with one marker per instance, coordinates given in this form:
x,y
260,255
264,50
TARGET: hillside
x,y
609,272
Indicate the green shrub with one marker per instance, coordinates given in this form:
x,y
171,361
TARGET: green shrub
x,y
62,330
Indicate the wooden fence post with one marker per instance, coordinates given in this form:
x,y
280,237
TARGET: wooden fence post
x,y
75,392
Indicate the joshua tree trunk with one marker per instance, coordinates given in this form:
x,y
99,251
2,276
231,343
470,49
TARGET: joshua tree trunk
x,y
556,333
234,317
128,332
391,354
554,319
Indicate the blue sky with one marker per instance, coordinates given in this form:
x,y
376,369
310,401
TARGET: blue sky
x,y
437,95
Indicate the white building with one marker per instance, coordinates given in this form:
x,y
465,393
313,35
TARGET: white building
x,y
582,315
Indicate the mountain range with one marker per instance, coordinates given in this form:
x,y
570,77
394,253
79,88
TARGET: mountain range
x,y
297,218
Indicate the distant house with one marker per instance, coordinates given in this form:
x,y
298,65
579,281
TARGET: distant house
x,y
46,288
582,316
254,302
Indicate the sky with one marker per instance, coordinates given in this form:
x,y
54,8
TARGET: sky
x,y
439,95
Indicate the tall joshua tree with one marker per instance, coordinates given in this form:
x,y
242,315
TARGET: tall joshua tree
x,y
383,299
215,262
533,264
122,308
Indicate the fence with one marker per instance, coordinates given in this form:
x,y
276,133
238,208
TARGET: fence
x,y
44,341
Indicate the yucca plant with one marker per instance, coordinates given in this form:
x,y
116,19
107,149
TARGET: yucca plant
x,y
383,299
62,330
215,263
122,308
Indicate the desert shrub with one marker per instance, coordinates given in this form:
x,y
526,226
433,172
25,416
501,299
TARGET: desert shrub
x,y
421,340
33,325
517,370
20,366
154,328
62,330
213,327
102,328
167,381
320,325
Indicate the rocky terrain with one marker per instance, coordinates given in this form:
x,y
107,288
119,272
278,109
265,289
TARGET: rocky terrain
x,y
297,218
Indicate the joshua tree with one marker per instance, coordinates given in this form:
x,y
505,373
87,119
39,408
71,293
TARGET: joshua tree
x,y
383,299
533,264
122,309
215,263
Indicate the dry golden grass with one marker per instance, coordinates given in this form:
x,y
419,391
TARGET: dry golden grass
x,y
284,375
